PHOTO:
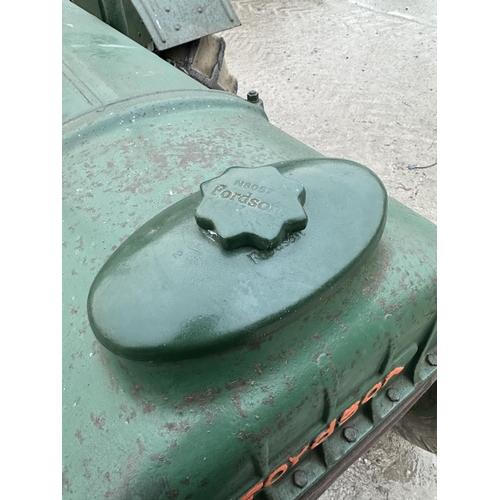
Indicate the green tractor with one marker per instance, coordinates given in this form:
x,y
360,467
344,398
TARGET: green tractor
x,y
242,317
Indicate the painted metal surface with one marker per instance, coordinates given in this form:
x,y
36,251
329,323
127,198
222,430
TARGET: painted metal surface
x,y
139,136
163,24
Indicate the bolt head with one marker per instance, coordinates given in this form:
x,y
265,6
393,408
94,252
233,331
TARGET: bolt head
x,y
432,359
253,96
393,395
300,478
350,434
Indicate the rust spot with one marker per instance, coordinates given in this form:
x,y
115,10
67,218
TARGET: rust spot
x,y
80,244
282,356
78,434
289,385
256,438
238,384
204,482
185,481
173,494
136,388
98,421
149,407
74,310
123,409
268,400
201,398
236,400
86,474
73,272
178,426
65,481
158,457
316,336
141,446
126,473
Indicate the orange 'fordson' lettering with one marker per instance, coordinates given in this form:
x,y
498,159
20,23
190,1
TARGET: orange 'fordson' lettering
x,y
278,473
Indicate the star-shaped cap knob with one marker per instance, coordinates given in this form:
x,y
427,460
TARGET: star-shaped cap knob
x,y
251,206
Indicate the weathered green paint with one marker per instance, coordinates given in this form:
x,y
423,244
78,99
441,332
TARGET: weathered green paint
x,y
140,136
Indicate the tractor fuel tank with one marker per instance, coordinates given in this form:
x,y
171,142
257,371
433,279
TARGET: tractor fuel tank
x,y
231,341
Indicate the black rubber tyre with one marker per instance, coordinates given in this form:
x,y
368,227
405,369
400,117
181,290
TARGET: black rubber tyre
x,y
419,425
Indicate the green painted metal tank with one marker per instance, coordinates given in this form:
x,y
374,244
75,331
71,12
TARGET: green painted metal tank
x,y
243,340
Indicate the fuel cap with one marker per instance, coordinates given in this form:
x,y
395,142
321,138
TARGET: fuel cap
x,y
257,206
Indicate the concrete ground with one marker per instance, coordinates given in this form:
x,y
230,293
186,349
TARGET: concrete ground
x,y
357,81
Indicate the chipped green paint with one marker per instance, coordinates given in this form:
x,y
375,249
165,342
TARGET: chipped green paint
x,y
138,136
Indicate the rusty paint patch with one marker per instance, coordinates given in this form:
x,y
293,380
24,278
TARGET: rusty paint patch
x,y
158,457
80,244
78,434
98,421
123,488
282,356
236,400
136,389
141,446
177,426
86,474
65,481
201,398
149,408
256,438
238,384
